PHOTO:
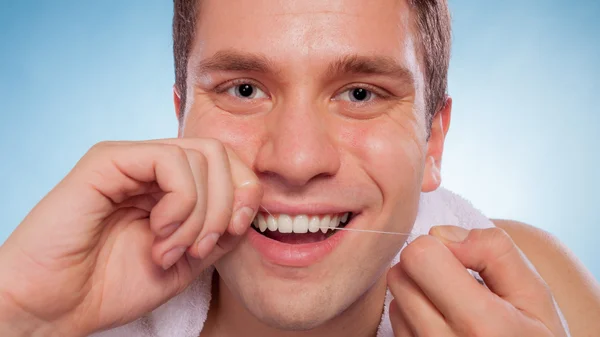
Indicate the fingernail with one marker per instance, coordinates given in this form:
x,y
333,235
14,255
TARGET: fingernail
x,y
168,230
451,233
206,245
242,219
172,256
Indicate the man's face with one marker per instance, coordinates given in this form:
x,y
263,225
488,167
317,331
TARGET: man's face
x,y
324,100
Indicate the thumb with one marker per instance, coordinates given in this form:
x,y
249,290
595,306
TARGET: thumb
x,y
506,271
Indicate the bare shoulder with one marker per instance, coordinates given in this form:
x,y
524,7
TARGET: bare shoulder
x,y
573,286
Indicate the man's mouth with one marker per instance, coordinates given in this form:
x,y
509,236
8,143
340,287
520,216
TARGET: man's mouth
x,y
300,229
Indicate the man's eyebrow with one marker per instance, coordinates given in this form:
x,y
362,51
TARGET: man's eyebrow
x,y
232,60
369,65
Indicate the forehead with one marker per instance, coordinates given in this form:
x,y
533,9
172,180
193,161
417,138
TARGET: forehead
x,y
307,32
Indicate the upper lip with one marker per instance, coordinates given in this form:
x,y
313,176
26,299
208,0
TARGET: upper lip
x,y
304,208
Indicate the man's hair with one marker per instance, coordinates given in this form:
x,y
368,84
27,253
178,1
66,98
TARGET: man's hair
x,y
431,20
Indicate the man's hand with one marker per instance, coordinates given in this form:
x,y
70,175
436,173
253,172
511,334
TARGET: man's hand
x,y
434,294
127,229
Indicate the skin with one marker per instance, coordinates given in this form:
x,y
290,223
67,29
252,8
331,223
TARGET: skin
x,y
340,149
574,288
335,148
105,232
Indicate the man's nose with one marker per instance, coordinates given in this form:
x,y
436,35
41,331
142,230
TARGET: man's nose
x,y
299,146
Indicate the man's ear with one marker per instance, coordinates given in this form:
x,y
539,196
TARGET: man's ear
x,y
177,104
435,147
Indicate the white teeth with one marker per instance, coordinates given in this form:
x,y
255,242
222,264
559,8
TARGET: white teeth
x,y
300,224
335,221
285,224
271,223
314,224
262,223
325,223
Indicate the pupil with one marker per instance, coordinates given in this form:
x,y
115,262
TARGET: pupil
x,y
359,94
245,90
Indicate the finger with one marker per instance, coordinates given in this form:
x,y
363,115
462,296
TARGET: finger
x,y
447,283
248,194
399,324
220,201
119,171
247,189
502,265
167,251
418,312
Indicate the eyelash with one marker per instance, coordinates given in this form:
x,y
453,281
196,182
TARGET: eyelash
x,y
379,93
223,87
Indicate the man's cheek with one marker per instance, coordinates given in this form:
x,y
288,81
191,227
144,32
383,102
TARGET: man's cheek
x,y
390,156
393,160
244,136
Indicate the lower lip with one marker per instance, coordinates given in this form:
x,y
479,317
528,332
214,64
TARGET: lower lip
x,y
293,255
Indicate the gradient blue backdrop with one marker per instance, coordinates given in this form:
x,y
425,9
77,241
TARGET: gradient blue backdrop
x,y
524,77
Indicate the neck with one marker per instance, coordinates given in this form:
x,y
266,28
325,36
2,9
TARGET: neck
x,y
228,317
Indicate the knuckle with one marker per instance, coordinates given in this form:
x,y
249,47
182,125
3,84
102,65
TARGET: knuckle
x,y
214,146
197,159
98,154
101,146
500,241
497,234
495,242
175,151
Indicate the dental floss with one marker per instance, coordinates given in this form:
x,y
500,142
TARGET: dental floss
x,y
263,207
368,231
356,229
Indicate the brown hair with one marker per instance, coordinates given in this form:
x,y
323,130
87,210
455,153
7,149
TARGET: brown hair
x,y
432,22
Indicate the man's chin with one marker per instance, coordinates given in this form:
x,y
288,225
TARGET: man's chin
x,y
294,311
285,307
286,304
287,323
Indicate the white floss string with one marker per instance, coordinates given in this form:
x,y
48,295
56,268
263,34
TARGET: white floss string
x,y
357,229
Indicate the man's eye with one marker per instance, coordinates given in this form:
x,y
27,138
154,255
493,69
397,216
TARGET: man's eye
x,y
358,95
246,91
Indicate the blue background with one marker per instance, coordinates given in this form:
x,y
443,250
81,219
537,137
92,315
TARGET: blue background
x,y
524,77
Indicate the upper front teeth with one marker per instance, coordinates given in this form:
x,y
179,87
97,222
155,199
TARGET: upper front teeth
x,y
299,223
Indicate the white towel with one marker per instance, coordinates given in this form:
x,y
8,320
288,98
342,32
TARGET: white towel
x,y
184,315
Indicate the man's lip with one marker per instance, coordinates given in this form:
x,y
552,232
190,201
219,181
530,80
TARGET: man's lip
x,y
273,207
293,255
296,255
